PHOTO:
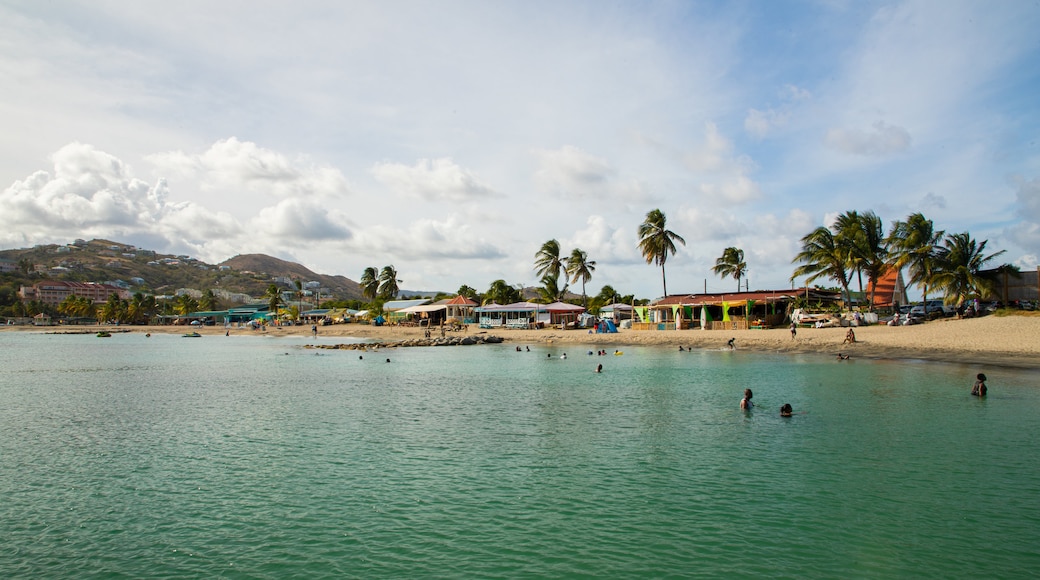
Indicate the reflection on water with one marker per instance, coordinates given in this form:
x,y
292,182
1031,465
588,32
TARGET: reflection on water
x,y
252,456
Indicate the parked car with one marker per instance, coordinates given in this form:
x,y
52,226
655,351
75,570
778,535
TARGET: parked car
x,y
933,306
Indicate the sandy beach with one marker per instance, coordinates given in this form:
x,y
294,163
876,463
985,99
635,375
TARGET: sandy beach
x,y
1012,341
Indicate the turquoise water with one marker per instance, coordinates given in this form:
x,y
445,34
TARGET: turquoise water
x,y
250,457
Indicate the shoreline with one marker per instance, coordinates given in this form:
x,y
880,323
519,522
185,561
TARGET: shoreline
x,y
1008,341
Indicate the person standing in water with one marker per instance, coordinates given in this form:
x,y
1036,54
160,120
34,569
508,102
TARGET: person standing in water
x,y
786,410
979,388
745,403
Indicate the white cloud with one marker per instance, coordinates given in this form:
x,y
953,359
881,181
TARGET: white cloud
x,y
573,172
761,123
245,167
300,220
604,243
1027,233
881,140
433,180
426,239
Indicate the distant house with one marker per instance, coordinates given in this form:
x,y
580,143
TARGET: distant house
x,y
8,265
395,309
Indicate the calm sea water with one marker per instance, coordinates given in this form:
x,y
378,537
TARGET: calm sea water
x,y
251,457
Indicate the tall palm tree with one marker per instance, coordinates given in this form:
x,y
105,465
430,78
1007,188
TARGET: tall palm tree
x,y
657,243
864,238
731,263
821,257
847,235
959,273
369,283
547,259
579,266
388,283
185,305
915,244
274,299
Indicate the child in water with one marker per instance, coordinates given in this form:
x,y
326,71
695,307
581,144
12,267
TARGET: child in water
x,y
746,403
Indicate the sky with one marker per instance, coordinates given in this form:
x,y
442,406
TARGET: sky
x,y
452,139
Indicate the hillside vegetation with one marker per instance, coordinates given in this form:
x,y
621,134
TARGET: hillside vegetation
x,y
105,260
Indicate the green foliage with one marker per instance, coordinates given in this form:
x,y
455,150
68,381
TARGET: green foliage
x,y
656,242
731,264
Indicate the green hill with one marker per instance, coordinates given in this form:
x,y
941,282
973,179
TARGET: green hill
x,y
105,260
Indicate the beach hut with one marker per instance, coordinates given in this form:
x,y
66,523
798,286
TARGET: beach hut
x,y
563,314
461,310
516,315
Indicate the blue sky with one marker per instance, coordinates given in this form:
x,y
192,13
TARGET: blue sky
x,y
451,139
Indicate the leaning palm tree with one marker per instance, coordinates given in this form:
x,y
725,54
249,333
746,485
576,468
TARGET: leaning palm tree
x,y
731,263
369,283
959,273
915,244
388,283
547,259
657,243
822,257
579,266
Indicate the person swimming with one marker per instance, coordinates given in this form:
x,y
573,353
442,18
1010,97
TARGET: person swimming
x,y
599,368
979,388
786,410
746,403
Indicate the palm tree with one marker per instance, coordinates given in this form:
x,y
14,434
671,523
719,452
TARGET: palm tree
x,y
821,256
656,242
274,298
550,290
185,305
208,300
547,259
369,283
580,267
914,243
388,283
862,235
731,263
959,273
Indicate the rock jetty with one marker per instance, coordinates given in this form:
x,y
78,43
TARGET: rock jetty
x,y
444,341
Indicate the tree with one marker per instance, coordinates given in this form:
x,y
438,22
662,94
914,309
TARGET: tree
x,y
369,283
657,243
547,259
914,244
208,300
388,283
469,292
862,236
25,266
501,293
185,305
550,290
580,267
1004,271
959,272
731,263
274,299
821,257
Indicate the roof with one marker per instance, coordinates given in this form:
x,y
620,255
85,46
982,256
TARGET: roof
x,y
563,307
461,300
885,289
734,297
424,308
617,306
514,307
395,305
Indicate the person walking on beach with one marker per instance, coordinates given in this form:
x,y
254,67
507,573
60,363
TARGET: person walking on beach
x,y
979,388
794,329
745,403
730,343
